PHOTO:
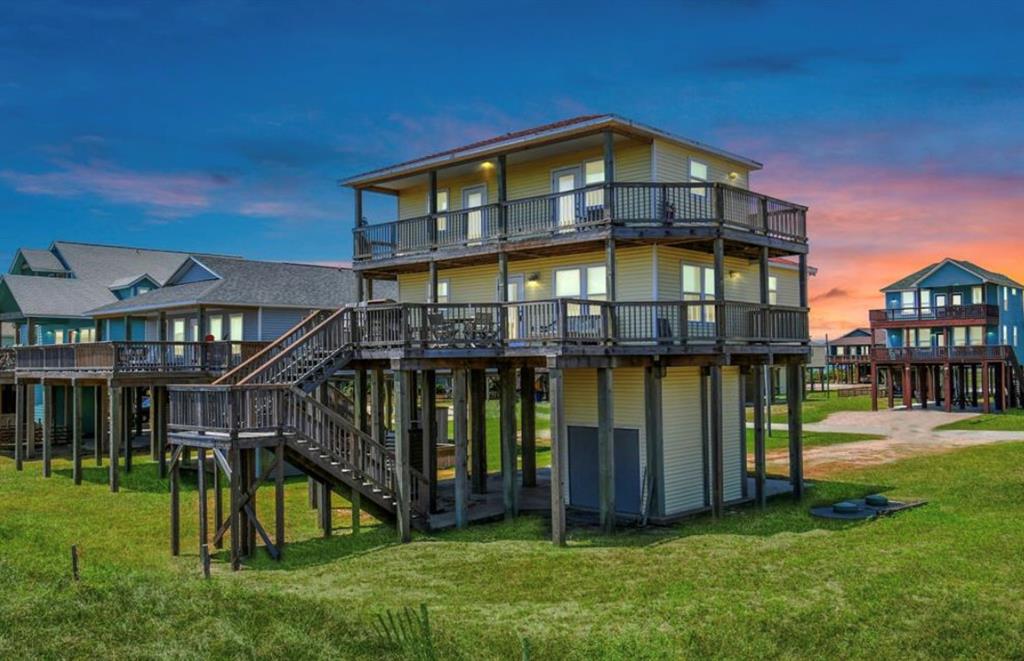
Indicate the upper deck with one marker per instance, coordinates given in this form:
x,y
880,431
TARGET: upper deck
x,y
566,188
684,212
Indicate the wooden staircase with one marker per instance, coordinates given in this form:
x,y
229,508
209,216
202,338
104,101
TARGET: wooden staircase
x,y
274,391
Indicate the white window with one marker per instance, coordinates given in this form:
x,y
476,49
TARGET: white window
x,y
977,335
773,290
699,285
193,326
236,324
593,174
698,175
58,336
1006,334
442,291
907,301
960,336
926,300
216,327
582,282
1006,300
924,338
442,206
957,299
976,295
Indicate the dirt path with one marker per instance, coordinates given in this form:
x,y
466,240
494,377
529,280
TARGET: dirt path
x,y
907,433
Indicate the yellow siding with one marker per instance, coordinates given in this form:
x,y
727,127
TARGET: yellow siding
x,y
628,400
682,440
672,164
478,284
632,163
741,278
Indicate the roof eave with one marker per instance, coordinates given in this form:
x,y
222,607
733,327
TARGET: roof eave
x,y
392,172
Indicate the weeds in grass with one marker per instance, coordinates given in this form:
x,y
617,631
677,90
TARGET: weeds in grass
x,y
407,632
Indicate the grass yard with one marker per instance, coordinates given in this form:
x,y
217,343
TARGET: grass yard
x,y
1011,420
779,440
945,580
543,417
817,407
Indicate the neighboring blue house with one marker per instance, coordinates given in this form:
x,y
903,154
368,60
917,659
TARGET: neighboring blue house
x,y
955,333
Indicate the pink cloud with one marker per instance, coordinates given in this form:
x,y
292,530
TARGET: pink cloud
x,y
164,195
287,210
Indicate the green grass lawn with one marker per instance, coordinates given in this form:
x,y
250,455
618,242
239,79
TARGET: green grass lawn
x,y
543,417
1011,420
780,440
945,580
817,407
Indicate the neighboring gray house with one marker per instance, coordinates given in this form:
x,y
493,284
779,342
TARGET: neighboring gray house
x,y
229,298
46,295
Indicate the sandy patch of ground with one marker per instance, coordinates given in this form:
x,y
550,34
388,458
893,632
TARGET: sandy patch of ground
x,y
907,434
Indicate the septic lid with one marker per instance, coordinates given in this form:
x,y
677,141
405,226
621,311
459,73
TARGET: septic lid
x,y
876,500
845,507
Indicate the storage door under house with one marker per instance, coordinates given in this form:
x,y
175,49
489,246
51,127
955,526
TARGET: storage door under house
x,y
583,469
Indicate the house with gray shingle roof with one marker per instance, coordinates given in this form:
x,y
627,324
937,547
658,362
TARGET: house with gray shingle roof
x,y
229,298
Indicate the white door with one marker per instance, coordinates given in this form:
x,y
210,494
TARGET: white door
x,y
472,199
516,294
564,181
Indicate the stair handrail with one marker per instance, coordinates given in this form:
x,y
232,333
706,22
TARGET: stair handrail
x,y
287,339
294,346
301,399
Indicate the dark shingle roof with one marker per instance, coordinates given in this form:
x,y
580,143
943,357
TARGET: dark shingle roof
x,y
251,283
42,260
911,280
514,138
40,296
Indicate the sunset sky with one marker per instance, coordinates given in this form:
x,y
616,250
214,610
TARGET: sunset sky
x,y
225,125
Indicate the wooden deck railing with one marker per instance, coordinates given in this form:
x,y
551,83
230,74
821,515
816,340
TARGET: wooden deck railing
x,y
850,359
271,350
942,354
948,312
134,357
662,205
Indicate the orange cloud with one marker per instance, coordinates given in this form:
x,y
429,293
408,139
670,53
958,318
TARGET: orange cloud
x,y
871,226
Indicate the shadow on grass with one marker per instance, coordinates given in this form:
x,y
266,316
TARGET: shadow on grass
x,y
782,516
143,477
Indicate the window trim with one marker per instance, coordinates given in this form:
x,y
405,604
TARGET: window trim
x,y
440,281
583,268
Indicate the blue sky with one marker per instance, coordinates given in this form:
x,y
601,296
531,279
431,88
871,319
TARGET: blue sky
x,y
226,125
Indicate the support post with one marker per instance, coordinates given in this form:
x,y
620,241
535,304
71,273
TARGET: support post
x,y
377,420
403,478
947,388
760,456
606,449
30,420
908,387
116,421
874,386
717,438
76,433
654,424
175,504
478,429
796,450
528,425
359,400
201,486
127,409
428,423
47,429
19,425
154,428
890,386
460,412
218,504
986,405
507,426
325,509
609,174
719,252
234,500
559,441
